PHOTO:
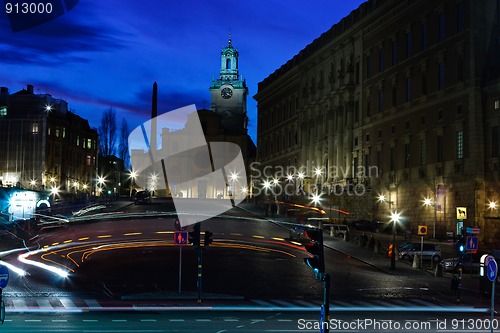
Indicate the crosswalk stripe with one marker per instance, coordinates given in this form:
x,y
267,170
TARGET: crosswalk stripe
x,y
92,303
308,304
19,303
261,302
426,303
67,303
43,303
284,303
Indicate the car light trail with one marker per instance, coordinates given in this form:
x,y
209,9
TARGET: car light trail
x,y
13,268
23,258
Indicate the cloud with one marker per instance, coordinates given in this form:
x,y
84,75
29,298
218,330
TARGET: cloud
x,y
61,41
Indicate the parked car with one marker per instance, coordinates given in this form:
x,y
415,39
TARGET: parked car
x,y
142,197
340,230
470,263
430,252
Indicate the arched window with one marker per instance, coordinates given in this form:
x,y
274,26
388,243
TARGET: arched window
x,y
228,63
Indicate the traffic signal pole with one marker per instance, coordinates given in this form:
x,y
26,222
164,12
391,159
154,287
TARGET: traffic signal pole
x,y
326,301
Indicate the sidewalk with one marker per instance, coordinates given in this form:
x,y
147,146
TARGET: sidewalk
x,y
469,293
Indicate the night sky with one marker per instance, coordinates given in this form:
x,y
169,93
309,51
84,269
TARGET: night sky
x,y
108,53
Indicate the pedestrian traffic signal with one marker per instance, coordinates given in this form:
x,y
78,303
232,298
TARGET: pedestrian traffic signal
x,y
194,236
208,238
315,247
460,244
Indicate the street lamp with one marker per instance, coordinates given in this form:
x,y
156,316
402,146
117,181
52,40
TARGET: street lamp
x,y
395,216
132,176
492,205
428,202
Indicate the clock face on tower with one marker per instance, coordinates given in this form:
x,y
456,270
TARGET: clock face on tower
x,y
226,93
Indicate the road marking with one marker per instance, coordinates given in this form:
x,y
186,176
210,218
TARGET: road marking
x,y
83,238
261,302
119,320
104,236
92,303
67,303
59,321
201,320
43,303
19,303
231,319
90,320
308,304
177,320
280,302
133,234
148,320
32,320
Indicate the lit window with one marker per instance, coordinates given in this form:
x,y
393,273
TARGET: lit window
x,y
497,104
34,128
3,111
89,143
460,144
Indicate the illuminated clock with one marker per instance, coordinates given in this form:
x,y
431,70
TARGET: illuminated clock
x,y
226,93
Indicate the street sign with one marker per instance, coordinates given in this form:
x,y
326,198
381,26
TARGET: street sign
x,y
492,270
474,231
461,213
181,238
422,230
472,243
4,276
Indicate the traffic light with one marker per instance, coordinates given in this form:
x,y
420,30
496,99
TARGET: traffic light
x,y
460,245
315,247
194,236
208,238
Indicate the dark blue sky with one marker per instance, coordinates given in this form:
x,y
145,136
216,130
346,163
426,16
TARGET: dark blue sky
x,y
108,53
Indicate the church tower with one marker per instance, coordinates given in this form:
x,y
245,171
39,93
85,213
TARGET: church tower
x,y
228,93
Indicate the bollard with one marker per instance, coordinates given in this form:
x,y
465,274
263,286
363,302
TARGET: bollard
x,y
439,271
376,246
416,261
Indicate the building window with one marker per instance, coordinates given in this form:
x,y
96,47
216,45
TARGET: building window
x,y
368,107
391,159
88,160
439,147
423,86
460,144
380,134
495,141
407,155
424,35
381,60
423,151
3,111
394,94
497,104
89,143
459,109
408,89
460,69
34,128
441,22
460,17
228,63
440,114
422,120
409,44
407,125
368,66
441,76
380,101
64,132
394,46
58,131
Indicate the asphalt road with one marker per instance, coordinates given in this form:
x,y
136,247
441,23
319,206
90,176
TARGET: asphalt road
x,y
229,322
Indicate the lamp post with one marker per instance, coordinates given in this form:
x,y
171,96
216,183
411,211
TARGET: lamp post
x,y
428,202
395,219
132,176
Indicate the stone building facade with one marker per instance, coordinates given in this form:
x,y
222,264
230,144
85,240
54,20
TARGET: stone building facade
x,y
399,100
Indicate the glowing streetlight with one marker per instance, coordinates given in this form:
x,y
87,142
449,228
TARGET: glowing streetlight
x,y
428,202
318,172
381,198
132,176
289,177
316,199
52,179
300,175
33,182
48,108
492,205
395,216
